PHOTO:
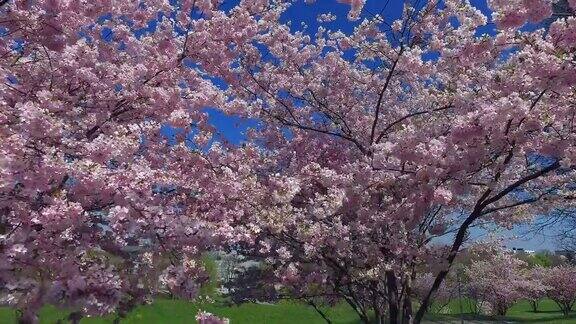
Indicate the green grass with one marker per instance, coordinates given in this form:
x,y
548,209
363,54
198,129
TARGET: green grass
x,y
521,312
209,289
286,312
548,312
178,311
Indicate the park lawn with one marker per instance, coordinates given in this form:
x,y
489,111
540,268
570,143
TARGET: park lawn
x,y
521,312
548,312
285,312
179,311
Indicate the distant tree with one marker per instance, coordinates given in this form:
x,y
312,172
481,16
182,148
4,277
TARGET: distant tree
x,y
497,282
543,259
562,283
250,284
534,288
540,259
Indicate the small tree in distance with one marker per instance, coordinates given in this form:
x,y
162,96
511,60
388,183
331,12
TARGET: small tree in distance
x,y
562,286
534,288
498,282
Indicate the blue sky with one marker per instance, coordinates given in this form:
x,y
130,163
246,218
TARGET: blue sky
x,y
390,9
523,236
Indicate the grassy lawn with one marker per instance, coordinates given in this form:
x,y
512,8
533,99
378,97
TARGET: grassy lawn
x,y
177,311
548,312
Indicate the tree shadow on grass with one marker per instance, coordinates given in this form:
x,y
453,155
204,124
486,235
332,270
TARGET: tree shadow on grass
x,y
557,318
546,312
511,318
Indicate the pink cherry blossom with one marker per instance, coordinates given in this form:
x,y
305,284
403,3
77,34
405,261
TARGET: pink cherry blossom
x,y
207,318
356,8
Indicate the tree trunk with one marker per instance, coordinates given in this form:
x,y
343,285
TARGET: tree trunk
x,y
27,317
75,317
501,310
378,315
116,320
319,311
534,304
566,308
407,313
393,313
378,319
393,302
458,241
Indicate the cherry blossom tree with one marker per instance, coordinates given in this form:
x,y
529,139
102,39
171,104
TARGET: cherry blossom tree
x,y
498,281
371,145
535,289
562,290
374,143
99,210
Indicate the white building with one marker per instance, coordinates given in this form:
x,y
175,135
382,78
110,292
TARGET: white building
x,y
522,250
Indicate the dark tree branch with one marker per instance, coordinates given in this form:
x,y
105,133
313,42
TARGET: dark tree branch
x,y
296,122
319,311
381,96
418,113
520,182
516,204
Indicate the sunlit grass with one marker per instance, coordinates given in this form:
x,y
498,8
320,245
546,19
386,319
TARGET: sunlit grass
x,y
179,311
